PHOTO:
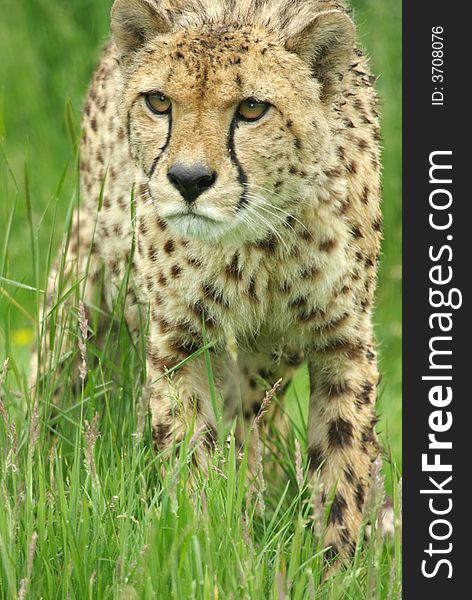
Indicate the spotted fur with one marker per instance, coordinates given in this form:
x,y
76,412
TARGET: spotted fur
x,y
280,254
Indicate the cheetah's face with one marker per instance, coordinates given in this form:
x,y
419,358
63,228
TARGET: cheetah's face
x,y
228,129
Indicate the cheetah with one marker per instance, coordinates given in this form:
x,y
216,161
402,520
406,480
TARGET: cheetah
x,y
235,146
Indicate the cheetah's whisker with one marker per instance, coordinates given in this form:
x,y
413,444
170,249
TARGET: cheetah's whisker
x,y
264,208
268,223
275,215
263,198
135,199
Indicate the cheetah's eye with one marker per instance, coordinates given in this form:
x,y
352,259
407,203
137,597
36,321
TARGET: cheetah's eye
x,y
252,110
158,103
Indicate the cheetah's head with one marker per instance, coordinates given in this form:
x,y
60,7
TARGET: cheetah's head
x,y
228,107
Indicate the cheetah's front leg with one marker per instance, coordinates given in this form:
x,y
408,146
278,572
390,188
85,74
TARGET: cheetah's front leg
x,y
181,399
342,441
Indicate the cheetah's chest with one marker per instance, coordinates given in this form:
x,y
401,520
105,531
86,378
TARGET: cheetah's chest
x,y
248,290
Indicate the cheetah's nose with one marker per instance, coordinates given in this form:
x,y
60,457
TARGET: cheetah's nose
x,y
191,181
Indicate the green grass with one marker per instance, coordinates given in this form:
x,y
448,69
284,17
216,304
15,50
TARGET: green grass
x,y
88,515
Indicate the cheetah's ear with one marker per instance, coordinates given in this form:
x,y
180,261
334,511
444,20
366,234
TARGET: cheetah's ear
x,y
134,22
326,44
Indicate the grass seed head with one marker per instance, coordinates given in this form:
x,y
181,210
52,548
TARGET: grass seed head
x,y
376,495
83,326
25,581
267,402
34,429
318,509
91,436
10,427
299,467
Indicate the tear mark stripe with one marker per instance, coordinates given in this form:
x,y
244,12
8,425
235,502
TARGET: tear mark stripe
x,y
242,177
162,150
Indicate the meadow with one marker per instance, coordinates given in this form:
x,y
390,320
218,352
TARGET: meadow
x,y
87,508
